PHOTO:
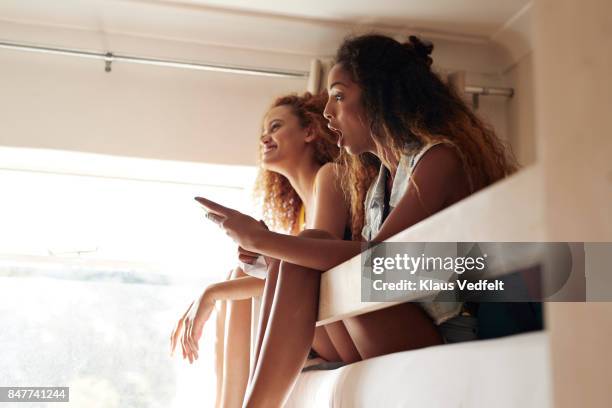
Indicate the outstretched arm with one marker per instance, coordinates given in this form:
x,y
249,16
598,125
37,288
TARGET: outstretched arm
x,y
437,175
329,213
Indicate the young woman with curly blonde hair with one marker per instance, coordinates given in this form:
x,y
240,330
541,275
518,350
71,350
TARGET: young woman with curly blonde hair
x,y
298,187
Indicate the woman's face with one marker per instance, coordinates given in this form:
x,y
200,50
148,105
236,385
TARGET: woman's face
x,y
346,114
283,140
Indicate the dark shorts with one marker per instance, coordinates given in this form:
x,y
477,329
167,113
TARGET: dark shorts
x,y
459,328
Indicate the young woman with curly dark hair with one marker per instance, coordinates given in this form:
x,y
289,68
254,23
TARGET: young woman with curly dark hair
x,y
297,186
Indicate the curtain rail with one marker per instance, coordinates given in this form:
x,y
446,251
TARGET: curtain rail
x,y
109,58
483,90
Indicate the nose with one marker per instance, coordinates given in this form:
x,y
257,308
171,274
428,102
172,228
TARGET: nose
x,y
327,112
265,139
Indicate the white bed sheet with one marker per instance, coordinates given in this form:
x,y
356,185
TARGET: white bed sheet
x,y
508,372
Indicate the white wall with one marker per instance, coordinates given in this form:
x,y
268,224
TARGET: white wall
x,y
515,37
520,112
142,111
66,103
574,101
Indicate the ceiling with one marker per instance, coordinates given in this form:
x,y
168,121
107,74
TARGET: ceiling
x,y
465,17
304,27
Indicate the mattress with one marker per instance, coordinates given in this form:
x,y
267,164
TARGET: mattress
x,y
508,372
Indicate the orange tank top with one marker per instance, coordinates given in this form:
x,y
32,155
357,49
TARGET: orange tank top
x,y
302,219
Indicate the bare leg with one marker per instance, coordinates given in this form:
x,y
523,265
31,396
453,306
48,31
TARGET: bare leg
x,y
219,351
287,338
342,342
402,327
236,352
288,334
321,343
266,306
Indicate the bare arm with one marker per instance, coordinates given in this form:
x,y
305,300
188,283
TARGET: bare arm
x,y
437,174
330,212
236,289
319,254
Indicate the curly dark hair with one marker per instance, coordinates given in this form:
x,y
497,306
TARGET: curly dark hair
x,y
280,202
408,105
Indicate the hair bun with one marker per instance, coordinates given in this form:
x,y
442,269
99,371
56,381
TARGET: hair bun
x,y
421,48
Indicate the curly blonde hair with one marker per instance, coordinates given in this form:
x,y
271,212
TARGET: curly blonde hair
x,y
279,201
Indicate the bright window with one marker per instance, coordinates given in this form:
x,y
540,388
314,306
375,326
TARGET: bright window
x,y
99,256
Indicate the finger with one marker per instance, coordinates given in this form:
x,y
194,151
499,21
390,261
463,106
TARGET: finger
x,y
190,351
250,260
217,219
177,330
242,251
214,207
173,341
191,344
188,309
184,352
197,334
172,334
189,354
175,334
195,354
183,339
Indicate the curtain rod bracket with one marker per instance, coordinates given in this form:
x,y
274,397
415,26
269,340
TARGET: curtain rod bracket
x,y
476,101
108,60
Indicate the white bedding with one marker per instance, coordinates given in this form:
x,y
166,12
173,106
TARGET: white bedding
x,y
507,372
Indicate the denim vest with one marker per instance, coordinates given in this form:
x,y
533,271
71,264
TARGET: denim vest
x,y
374,207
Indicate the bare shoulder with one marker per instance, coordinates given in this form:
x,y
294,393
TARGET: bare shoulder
x,y
329,170
441,167
328,175
443,154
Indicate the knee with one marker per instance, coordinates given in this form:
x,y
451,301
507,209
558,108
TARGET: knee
x,y
236,273
289,269
316,233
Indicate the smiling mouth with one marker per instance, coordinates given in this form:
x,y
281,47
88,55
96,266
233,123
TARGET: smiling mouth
x,y
269,148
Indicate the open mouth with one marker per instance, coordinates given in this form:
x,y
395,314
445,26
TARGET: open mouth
x,y
338,132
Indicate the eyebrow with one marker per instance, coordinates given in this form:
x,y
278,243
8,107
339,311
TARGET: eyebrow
x,y
269,123
337,83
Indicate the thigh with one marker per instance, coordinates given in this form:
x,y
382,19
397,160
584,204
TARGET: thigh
x,y
332,341
323,345
268,296
397,328
342,342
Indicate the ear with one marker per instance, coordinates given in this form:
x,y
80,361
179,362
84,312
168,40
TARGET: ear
x,y
311,135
